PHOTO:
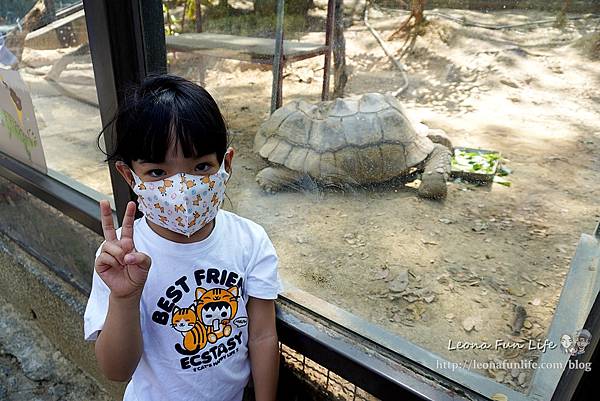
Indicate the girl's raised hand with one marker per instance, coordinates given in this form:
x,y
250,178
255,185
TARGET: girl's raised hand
x,y
120,265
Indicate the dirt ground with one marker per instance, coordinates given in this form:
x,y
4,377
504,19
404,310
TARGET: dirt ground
x,y
433,271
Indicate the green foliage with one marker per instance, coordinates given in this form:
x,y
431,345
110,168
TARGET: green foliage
x,y
475,162
173,24
180,17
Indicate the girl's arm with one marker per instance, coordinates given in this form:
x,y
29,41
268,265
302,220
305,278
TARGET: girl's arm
x,y
124,270
263,347
119,344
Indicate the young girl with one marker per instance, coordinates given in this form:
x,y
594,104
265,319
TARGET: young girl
x,y
182,299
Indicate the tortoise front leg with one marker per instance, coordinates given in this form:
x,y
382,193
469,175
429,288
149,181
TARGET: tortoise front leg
x,y
436,172
273,179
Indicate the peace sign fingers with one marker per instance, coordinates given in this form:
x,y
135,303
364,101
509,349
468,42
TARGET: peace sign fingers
x,y
128,219
108,227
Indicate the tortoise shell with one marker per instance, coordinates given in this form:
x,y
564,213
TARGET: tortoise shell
x,y
364,139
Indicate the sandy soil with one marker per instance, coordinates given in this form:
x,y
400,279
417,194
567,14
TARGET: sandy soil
x,y
530,93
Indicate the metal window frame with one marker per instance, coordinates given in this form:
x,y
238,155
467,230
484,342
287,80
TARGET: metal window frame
x,y
123,53
132,30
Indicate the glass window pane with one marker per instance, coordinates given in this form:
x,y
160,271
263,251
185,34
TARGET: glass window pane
x,y
51,54
495,109
65,246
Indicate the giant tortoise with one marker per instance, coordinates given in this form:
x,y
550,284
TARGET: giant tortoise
x,y
356,141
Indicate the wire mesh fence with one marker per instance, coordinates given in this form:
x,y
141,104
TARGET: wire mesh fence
x,y
322,380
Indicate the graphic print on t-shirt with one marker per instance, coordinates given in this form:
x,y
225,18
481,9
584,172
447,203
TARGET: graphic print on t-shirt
x,y
209,323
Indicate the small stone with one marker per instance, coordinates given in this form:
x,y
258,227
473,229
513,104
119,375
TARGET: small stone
x,y
400,283
521,378
382,274
500,376
469,323
410,298
510,83
536,302
429,298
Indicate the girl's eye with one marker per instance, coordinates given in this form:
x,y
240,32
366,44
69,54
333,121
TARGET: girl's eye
x,y
203,167
155,173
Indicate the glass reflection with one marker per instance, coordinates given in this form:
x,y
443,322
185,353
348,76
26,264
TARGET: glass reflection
x,y
51,52
501,104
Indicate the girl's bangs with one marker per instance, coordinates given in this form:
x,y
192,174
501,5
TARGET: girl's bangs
x,y
156,121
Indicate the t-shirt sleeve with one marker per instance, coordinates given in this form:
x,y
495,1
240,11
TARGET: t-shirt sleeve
x,y
97,306
262,278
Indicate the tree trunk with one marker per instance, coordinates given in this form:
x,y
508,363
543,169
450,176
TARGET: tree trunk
x,y
561,18
198,16
340,76
414,20
39,13
416,10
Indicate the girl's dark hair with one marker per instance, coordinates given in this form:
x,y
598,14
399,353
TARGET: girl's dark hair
x,y
162,109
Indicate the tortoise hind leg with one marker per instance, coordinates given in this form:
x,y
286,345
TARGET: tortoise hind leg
x,y
273,179
435,174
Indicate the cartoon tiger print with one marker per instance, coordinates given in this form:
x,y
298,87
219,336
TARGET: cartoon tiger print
x,y
185,321
216,308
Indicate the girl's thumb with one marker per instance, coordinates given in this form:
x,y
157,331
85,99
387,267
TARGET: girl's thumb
x,y
138,258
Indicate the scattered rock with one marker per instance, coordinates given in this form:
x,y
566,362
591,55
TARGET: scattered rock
x,y
479,226
509,82
429,298
382,274
400,283
516,292
471,323
411,297
519,320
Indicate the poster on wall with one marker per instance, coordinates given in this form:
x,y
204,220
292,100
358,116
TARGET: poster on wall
x,y
19,134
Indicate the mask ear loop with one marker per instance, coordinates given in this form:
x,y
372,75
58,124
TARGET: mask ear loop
x,y
133,174
228,173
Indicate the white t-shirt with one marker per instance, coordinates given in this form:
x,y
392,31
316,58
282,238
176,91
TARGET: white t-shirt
x,y
198,352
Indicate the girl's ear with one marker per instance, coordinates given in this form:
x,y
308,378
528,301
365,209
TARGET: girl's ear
x,y
125,172
228,159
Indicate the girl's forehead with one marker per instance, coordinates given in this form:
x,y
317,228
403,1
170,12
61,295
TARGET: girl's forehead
x,y
175,153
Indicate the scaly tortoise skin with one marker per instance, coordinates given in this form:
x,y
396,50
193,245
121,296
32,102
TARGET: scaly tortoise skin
x,y
362,140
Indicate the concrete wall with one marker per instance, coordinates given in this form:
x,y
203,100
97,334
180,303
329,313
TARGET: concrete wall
x,y
585,6
34,289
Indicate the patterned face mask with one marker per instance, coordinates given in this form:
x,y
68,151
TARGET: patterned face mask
x,y
183,203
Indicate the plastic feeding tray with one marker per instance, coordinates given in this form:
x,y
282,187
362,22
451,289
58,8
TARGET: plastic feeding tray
x,y
477,165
